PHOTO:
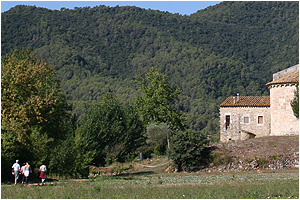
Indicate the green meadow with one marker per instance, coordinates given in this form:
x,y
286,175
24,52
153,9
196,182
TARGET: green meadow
x,y
281,184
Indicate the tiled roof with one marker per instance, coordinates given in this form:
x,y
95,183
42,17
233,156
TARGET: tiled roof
x,y
247,101
292,78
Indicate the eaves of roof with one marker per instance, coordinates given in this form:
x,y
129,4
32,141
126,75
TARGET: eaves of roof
x,y
289,79
247,101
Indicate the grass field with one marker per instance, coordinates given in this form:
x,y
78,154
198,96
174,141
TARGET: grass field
x,y
251,185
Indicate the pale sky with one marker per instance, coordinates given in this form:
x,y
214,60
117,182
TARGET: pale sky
x,y
181,7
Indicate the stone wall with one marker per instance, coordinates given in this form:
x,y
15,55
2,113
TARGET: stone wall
x,y
283,120
241,128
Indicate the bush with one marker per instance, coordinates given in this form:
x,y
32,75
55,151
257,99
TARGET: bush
x,y
275,157
219,158
187,150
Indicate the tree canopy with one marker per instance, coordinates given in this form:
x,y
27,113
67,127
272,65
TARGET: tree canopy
x,y
156,104
33,108
108,132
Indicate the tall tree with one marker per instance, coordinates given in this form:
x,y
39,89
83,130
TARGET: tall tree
x,y
31,95
156,105
33,107
109,131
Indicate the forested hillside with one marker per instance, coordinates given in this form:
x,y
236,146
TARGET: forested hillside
x,y
212,54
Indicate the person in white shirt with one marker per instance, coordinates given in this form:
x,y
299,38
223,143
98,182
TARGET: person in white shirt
x,y
22,172
16,168
43,170
27,172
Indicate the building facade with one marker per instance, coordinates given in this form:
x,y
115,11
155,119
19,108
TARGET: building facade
x,y
244,117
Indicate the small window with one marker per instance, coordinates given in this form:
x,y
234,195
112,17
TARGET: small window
x,y
260,119
227,123
246,120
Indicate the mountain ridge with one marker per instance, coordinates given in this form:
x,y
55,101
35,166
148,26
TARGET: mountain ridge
x,y
211,54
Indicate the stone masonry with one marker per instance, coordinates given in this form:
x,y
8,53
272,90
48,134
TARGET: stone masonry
x,y
244,123
283,120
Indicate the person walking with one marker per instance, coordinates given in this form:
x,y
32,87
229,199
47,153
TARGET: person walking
x,y
22,172
43,170
27,172
16,168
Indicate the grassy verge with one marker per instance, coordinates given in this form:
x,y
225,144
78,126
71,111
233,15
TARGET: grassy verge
x,y
168,186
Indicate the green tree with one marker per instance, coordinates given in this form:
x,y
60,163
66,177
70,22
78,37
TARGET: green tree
x,y
62,157
187,150
33,108
158,137
295,102
108,132
30,95
86,149
156,105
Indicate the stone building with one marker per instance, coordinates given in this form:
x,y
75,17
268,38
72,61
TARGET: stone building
x,y
282,91
244,117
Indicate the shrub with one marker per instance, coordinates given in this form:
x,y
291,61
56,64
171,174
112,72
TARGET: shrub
x,y
259,161
295,102
187,150
219,158
275,157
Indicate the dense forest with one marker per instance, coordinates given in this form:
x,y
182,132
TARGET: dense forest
x,y
233,47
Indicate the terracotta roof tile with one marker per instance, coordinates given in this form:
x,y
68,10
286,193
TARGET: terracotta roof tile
x,y
292,78
247,101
